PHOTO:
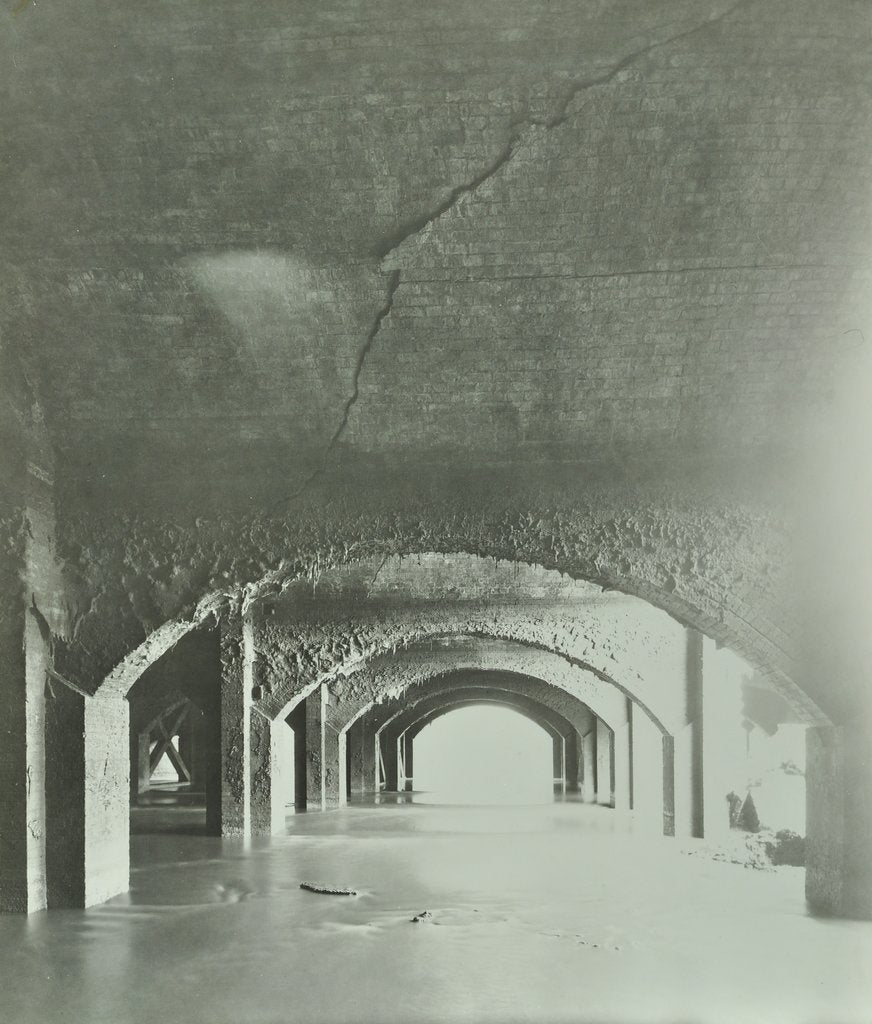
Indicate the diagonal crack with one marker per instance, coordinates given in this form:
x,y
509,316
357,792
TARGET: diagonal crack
x,y
380,317
417,224
424,220
383,313
562,113
517,129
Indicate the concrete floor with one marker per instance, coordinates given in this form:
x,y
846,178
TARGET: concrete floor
x,y
541,913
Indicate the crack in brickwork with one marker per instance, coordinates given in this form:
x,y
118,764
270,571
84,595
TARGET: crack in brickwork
x,y
381,316
417,225
583,85
518,127
420,223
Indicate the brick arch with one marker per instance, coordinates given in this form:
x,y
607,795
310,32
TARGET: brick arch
x,y
506,702
415,674
535,695
564,716
770,656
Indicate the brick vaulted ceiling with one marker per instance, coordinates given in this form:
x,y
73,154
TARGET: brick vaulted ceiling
x,y
487,231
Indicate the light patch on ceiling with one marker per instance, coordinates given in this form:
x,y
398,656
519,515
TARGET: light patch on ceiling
x,y
283,306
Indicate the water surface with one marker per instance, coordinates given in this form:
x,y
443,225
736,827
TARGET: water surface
x,y
546,913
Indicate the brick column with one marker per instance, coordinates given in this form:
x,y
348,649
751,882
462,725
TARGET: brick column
x,y
604,764
362,757
31,611
408,761
282,771
354,758
558,765
87,787
336,766
234,727
687,747
572,743
271,761
622,752
588,755
333,766
838,874
296,719
647,767
388,739
22,750
316,708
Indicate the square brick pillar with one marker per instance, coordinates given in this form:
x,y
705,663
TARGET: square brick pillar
x,y
573,764
271,759
588,761
687,747
361,756
647,764
623,798
251,792
316,711
605,764
23,659
334,767
87,789
354,758
838,873
408,761
558,763
31,610
388,741
296,719
236,648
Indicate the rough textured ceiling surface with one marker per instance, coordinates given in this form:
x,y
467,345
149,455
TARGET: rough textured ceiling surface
x,y
486,231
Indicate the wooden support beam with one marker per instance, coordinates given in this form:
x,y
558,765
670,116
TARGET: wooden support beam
x,y
165,745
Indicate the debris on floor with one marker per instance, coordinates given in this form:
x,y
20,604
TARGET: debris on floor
x,y
328,890
425,916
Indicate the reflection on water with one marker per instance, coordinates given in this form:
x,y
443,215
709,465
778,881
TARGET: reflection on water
x,y
542,913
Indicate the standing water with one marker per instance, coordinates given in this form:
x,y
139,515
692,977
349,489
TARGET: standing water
x,y
539,913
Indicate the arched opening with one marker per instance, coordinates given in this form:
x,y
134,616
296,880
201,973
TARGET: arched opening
x,y
643,672
174,726
484,755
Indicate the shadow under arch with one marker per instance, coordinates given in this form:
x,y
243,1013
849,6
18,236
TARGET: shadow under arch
x,y
441,656
242,599
490,690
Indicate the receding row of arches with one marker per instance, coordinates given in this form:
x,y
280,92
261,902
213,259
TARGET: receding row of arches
x,y
312,694
174,751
